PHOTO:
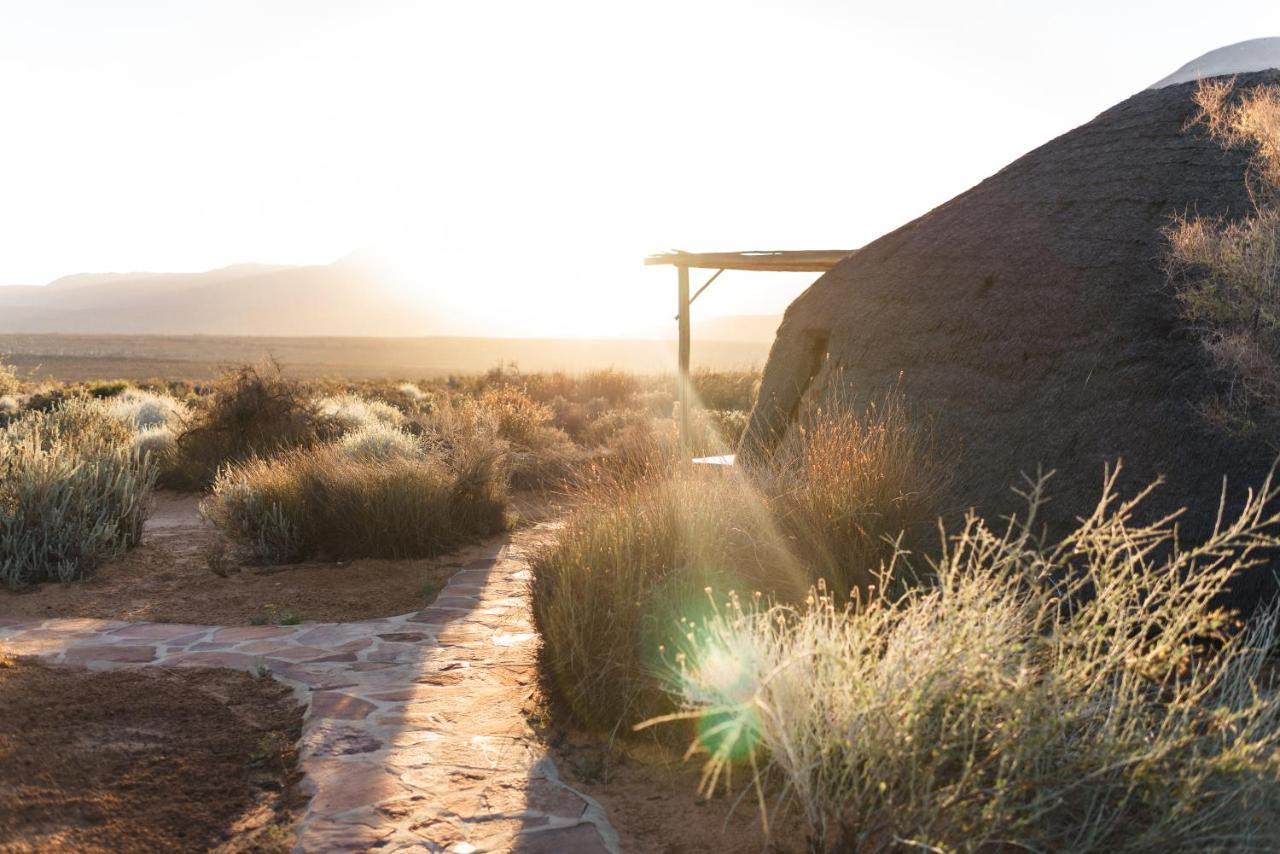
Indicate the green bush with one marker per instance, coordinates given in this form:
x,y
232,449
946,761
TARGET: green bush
x,y
984,713
73,493
366,496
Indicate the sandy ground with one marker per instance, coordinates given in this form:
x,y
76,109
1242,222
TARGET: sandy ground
x,y
206,763
651,798
167,578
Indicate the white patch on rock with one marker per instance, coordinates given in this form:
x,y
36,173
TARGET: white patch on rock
x,y
1239,58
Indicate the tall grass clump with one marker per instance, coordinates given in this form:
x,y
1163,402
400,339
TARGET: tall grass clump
x,y
653,534
1079,696
372,494
73,493
249,412
1227,273
850,481
607,595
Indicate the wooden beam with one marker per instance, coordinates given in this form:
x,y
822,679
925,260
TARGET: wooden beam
x,y
682,300
799,261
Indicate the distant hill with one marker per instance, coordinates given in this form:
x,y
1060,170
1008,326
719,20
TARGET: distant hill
x,y
343,298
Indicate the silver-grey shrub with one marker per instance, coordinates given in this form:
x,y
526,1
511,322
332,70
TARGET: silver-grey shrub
x,y
73,493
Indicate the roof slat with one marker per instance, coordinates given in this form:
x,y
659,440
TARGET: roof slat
x,y
799,261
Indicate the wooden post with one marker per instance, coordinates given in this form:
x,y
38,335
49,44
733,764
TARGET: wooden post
x,y
683,383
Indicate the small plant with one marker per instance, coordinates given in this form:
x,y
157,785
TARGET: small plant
x,y
429,588
274,615
215,557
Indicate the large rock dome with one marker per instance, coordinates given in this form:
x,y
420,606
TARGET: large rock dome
x,y
1030,318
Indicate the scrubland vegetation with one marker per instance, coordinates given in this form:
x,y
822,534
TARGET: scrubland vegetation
x,y
299,470
1227,273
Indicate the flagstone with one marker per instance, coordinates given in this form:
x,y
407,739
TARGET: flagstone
x,y
110,652
159,631
334,704
245,633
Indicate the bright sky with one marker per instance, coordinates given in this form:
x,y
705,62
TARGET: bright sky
x,y
516,160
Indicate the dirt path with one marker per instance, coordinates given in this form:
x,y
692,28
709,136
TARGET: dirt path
x,y
414,737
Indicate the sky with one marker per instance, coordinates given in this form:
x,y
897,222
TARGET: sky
x,y
513,162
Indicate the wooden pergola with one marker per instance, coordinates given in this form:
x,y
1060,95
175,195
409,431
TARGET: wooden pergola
x,y
802,261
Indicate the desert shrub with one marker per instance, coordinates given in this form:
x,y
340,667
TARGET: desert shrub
x,y
730,424
337,502
106,388
144,409
73,494
412,392
1227,273
725,389
380,441
249,411
540,454
157,442
651,531
352,412
10,405
981,713
9,384
569,416
518,418
76,421
613,386
658,402
605,426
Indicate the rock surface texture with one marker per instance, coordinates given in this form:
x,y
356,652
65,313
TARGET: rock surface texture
x,y
414,737
1030,318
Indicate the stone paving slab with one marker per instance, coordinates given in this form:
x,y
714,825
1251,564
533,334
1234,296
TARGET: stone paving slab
x,y
414,738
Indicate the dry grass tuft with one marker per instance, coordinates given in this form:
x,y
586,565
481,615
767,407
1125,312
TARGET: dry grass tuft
x,y
362,497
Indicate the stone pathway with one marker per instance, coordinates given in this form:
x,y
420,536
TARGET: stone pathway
x,y
414,737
